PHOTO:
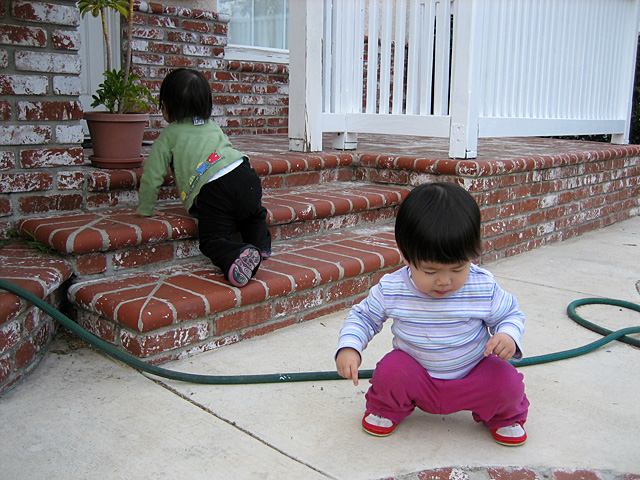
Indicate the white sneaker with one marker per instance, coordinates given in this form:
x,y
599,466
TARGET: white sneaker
x,y
512,435
378,426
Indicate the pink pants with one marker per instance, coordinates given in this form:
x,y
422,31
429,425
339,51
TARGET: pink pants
x,y
493,391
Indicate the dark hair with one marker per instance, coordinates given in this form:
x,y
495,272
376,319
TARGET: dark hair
x,y
439,222
186,93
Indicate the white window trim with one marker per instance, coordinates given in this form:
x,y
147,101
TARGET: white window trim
x,y
244,53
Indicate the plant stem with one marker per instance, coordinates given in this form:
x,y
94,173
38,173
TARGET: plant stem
x,y
127,67
106,38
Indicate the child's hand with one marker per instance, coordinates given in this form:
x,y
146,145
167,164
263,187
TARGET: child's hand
x,y
501,345
347,361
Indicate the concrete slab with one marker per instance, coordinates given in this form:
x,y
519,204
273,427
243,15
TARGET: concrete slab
x,y
81,415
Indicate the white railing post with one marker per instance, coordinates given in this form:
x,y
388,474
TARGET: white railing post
x,y
305,73
629,79
465,86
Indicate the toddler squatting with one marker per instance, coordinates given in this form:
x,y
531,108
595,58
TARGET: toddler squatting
x,y
453,327
217,184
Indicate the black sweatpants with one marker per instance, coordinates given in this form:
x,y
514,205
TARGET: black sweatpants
x,y
231,216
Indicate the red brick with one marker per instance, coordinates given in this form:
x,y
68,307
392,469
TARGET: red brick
x,y
5,369
43,335
443,474
24,354
45,13
65,40
5,110
237,320
148,33
48,62
70,180
22,35
25,182
152,344
220,29
23,84
379,215
226,99
299,179
264,329
24,134
174,61
253,122
9,336
182,37
49,111
347,288
148,59
275,122
143,255
91,264
99,327
5,207
298,302
197,50
161,47
511,474
162,21
114,199
32,319
196,26
213,40
49,203
576,475
53,157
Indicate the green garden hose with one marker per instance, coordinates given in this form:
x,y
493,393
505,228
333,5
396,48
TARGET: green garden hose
x,y
317,376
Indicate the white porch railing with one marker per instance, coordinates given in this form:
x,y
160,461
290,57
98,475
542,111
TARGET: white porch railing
x,y
461,69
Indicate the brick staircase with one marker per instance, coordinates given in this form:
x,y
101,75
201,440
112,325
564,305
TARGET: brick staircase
x,y
142,284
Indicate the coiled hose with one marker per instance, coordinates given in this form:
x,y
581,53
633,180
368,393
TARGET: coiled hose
x,y
140,365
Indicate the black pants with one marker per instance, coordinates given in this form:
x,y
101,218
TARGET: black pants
x,y
231,216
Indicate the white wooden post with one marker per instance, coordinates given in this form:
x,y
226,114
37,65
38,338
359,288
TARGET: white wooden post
x,y
629,79
305,74
465,88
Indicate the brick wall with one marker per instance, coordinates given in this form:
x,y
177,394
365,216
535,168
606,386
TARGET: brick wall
x,y
39,109
531,201
248,97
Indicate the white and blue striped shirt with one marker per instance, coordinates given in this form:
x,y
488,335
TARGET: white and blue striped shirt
x,y
446,335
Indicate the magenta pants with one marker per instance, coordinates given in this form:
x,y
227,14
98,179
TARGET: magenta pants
x,y
493,391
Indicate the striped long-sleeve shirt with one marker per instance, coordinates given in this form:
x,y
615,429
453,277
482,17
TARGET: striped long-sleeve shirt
x,y
446,335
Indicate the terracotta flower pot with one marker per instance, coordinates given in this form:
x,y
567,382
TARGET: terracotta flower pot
x,y
116,138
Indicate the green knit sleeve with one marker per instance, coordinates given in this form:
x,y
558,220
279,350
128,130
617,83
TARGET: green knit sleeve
x,y
155,170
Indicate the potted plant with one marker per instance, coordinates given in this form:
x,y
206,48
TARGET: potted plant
x,y
116,134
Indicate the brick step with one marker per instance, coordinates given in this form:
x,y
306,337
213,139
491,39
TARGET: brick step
x,y
182,310
117,240
278,169
25,330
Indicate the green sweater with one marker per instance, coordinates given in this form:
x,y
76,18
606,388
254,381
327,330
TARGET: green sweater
x,y
194,152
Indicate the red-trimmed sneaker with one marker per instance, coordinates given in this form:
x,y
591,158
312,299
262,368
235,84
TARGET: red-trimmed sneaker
x,y
378,426
512,435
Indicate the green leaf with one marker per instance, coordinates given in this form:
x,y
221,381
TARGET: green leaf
x,y
114,91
